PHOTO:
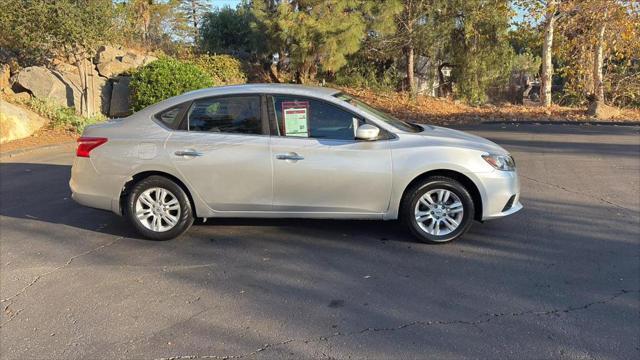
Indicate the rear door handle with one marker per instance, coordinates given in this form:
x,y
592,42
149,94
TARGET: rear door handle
x,y
188,153
289,156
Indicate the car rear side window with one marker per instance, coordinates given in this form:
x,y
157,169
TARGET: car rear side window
x,y
171,117
233,114
306,117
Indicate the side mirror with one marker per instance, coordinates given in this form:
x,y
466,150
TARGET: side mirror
x,y
367,132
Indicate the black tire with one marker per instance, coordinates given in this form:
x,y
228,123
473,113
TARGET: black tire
x,y
416,192
184,219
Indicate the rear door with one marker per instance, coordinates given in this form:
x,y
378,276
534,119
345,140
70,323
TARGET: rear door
x,y
223,152
319,166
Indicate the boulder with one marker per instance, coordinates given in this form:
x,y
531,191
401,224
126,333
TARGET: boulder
x,y
601,111
101,86
17,123
5,76
21,97
108,53
120,97
113,68
111,61
45,84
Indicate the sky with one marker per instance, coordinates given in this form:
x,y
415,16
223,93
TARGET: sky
x,y
222,3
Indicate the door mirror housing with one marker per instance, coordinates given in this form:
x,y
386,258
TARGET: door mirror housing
x,y
367,132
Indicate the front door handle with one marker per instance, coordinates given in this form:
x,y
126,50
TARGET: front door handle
x,y
289,156
188,153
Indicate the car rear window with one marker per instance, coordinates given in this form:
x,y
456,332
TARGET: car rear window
x,y
171,117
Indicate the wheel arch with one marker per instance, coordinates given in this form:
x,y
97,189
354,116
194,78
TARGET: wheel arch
x,y
145,174
469,184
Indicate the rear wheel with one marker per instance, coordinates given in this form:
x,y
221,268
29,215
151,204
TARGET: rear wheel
x,y
437,210
159,208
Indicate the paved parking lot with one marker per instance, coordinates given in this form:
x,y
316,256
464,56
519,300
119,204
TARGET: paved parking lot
x,y
560,279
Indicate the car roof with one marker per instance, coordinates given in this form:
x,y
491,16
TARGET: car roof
x,y
293,89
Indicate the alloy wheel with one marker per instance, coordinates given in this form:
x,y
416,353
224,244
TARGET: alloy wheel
x,y
158,209
439,212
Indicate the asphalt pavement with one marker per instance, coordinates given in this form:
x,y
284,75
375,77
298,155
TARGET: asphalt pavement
x,y
559,279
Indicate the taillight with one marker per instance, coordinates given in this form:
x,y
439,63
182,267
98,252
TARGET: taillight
x,y
86,144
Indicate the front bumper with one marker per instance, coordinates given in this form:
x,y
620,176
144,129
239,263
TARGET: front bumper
x,y
514,209
501,194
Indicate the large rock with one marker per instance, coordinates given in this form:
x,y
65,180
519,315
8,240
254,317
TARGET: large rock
x,y
108,53
111,61
101,95
120,97
17,123
46,85
5,75
114,68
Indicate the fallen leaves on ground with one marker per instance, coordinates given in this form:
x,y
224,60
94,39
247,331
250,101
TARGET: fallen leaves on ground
x,y
440,111
42,137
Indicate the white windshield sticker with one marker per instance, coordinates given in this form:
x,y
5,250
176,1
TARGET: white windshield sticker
x,y
296,118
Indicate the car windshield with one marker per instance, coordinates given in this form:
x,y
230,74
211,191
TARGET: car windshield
x,y
395,122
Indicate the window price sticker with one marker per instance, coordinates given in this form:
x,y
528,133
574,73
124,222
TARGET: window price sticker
x,y
296,118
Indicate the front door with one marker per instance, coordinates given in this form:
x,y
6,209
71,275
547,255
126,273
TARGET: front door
x,y
319,166
224,154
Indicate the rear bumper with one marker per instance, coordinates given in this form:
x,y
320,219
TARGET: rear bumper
x,y
92,189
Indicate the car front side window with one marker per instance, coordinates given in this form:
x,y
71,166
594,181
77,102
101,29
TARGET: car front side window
x,y
233,114
297,116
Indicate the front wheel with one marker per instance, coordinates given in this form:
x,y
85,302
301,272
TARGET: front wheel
x,y
437,210
159,208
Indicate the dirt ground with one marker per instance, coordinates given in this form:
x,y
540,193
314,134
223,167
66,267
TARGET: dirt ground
x,y
43,137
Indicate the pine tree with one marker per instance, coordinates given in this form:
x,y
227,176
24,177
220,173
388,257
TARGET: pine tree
x,y
312,34
193,11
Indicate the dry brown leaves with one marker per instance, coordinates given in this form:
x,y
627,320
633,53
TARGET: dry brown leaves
x,y
425,109
43,137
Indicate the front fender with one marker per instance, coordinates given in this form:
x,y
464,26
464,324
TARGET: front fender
x,y
408,165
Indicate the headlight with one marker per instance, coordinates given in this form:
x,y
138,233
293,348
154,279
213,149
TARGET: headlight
x,y
500,162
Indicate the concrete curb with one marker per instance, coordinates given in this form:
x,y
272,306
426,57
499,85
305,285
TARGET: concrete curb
x,y
13,153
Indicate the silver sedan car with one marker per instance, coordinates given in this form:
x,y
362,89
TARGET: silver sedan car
x,y
287,151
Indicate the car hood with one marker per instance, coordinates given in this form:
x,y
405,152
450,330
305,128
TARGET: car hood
x,y
441,136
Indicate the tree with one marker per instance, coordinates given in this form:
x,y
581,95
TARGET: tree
x,y
193,11
43,30
411,28
313,34
479,46
547,12
152,24
227,30
600,37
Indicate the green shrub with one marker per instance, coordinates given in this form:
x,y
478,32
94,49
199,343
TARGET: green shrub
x,y
374,75
223,69
165,78
61,116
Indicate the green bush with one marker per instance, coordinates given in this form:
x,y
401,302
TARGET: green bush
x,y
60,116
223,69
363,74
165,78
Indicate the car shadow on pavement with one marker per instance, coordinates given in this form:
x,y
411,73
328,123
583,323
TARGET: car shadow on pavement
x,y
41,192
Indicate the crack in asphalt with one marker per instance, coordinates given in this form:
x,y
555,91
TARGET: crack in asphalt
x,y
577,193
40,276
263,348
484,318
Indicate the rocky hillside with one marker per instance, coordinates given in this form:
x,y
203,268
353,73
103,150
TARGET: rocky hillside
x,y
60,83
